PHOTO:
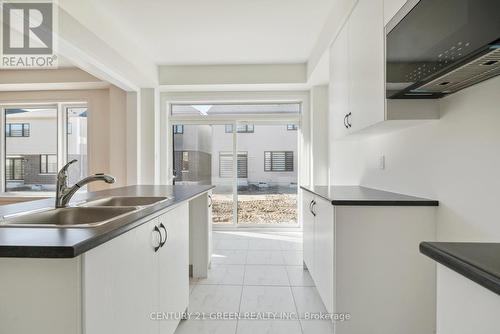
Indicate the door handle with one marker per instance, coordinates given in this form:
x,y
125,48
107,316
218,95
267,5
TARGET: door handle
x,y
345,121
349,123
211,201
162,243
157,230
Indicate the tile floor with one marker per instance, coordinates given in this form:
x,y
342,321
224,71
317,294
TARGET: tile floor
x,y
258,271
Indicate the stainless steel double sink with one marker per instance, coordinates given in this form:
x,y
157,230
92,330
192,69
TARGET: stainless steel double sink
x,y
88,214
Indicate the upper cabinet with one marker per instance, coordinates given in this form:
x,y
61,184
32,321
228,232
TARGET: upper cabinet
x,y
357,76
366,64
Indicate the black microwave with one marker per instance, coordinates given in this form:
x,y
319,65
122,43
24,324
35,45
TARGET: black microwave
x,y
438,47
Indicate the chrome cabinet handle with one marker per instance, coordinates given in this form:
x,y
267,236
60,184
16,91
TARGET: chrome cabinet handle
x,y
345,122
157,230
311,206
162,243
349,123
211,201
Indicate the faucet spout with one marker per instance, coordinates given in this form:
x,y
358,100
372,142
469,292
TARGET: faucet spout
x,y
65,193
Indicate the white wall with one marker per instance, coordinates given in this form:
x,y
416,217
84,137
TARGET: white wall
x,y
455,160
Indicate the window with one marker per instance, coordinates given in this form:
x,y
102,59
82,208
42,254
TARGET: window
x,y
48,164
278,161
178,129
292,127
17,130
243,128
235,109
185,161
226,165
30,163
14,169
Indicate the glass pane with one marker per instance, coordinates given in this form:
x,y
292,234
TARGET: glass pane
x,y
234,109
33,132
77,142
267,181
203,155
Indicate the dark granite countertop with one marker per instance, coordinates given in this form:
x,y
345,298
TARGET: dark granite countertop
x,y
45,242
357,195
479,262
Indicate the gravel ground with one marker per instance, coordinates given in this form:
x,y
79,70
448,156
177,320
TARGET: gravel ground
x,y
256,209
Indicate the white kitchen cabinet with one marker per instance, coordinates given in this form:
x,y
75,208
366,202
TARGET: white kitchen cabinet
x,y
173,267
308,231
357,78
129,277
339,85
464,306
318,229
324,252
120,280
116,287
365,261
366,65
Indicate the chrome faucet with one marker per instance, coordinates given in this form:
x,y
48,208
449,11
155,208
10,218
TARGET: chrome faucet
x,y
64,192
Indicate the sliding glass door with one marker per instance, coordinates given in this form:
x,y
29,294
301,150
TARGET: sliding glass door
x,y
252,165
203,154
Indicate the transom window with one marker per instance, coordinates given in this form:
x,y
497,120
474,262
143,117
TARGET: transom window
x,y
278,161
17,130
241,128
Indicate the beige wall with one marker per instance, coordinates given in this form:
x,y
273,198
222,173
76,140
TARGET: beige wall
x,y
106,130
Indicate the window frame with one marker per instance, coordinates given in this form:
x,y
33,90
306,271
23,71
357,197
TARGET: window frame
x,y
271,170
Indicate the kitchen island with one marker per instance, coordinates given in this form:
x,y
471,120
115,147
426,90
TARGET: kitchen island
x,y
108,278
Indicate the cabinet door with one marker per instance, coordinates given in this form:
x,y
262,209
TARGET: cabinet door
x,y
391,7
174,266
120,284
308,231
339,85
324,253
366,64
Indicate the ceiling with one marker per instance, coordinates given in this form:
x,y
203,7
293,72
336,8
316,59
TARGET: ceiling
x,y
200,32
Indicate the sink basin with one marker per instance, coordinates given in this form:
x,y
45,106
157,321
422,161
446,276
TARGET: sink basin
x,y
69,217
125,201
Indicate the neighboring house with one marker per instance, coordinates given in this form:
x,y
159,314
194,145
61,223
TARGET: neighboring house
x,y
31,161
267,154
